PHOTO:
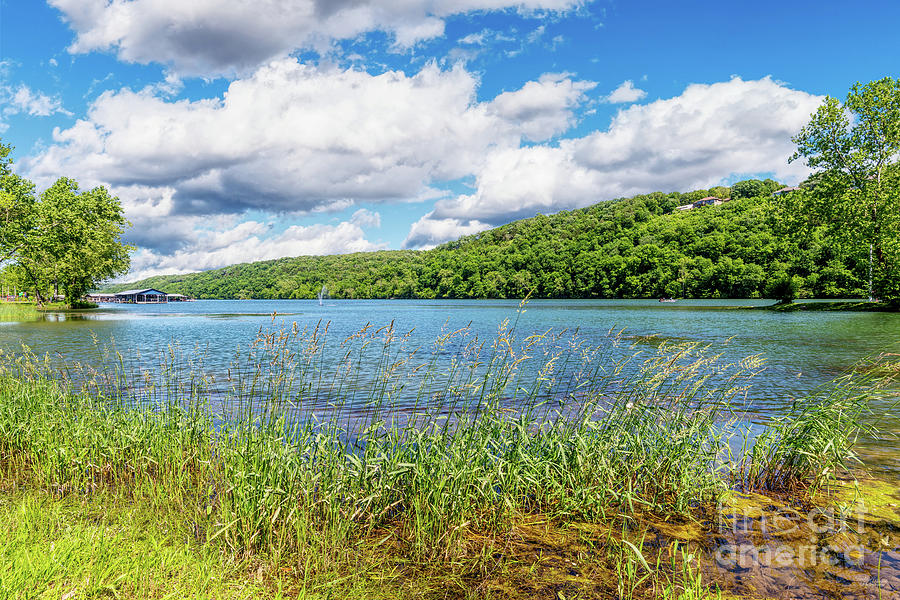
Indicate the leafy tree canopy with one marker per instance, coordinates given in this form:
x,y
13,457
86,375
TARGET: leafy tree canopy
x,y
17,210
66,241
751,188
855,193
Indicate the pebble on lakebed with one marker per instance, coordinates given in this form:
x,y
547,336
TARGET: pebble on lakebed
x,y
842,543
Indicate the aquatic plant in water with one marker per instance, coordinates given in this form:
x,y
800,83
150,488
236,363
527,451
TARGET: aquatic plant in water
x,y
308,446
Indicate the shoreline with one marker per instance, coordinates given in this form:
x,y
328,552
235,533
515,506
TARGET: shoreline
x,y
33,307
830,306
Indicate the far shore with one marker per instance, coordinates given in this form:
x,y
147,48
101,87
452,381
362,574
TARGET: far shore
x,y
829,305
30,306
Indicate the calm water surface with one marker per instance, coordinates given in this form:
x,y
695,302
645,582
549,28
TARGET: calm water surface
x,y
802,349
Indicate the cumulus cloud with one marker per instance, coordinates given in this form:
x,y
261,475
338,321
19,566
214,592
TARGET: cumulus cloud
x,y
211,37
693,141
296,138
626,92
250,241
293,139
428,231
536,106
35,104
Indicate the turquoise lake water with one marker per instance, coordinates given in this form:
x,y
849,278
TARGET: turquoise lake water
x,y
802,350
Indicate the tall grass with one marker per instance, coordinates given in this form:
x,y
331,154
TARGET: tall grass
x,y
813,442
17,310
311,447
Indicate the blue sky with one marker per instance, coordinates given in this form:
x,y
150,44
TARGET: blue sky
x,y
253,129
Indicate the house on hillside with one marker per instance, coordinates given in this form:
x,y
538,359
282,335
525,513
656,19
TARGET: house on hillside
x,y
708,201
784,190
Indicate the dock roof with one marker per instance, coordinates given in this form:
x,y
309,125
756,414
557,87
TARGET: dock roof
x,y
146,292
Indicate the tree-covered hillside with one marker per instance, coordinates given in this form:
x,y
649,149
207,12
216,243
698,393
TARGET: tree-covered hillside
x,y
636,247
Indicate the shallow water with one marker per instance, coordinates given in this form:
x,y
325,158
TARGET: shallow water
x,y
848,547
803,350
766,550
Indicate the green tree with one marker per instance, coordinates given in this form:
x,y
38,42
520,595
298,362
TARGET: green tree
x,y
785,288
77,242
749,188
854,147
17,209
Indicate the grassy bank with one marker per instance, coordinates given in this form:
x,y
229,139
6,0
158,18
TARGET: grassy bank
x,y
29,310
110,546
475,469
72,547
18,310
851,305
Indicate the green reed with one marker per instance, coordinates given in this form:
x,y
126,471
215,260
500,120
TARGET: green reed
x,y
813,442
311,447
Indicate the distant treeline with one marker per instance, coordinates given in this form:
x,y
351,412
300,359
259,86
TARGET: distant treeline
x,y
628,248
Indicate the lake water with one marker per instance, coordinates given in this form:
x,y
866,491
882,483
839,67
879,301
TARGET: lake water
x,y
802,349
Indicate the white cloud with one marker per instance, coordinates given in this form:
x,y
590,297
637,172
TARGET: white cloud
x,y
30,102
428,232
626,92
474,39
536,34
366,218
21,99
693,141
211,37
478,43
35,104
296,138
249,241
536,106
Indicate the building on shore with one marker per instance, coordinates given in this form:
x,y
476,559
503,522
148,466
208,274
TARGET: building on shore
x,y
144,296
101,298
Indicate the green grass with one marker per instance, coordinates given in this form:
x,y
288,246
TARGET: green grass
x,y
67,548
10,310
266,478
112,547
813,442
30,310
307,461
883,368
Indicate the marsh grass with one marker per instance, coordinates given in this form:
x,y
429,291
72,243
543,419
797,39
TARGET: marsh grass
x,y
884,367
17,310
309,450
813,443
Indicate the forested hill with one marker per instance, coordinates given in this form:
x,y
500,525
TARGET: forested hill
x,y
635,247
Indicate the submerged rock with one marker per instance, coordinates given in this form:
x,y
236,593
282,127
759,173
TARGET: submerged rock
x,y
843,543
